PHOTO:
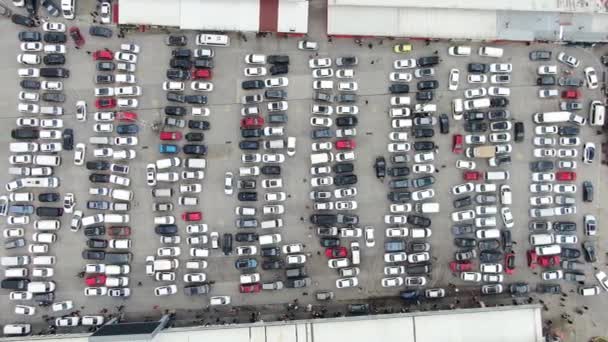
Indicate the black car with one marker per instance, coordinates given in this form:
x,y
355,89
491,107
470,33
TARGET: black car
x,y
380,167
549,288
275,94
519,289
499,102
200,150
23,21
346,98
98,205
277,118
347,219
48,197
249,145
424,96
181,53
246,237
99,178
444,124
329,242
587,191
498,114
14,243
273,264
104,79
568,131
398,88
475,126
399,171
51,7
590,251
54,72
195,290
100,31
54,59
322,97
343,168
30,84
176,40
127,129
252,133
29,36
347,121
542,166
53,97
166,229
270,252
295,283
180,63
270,170
349,179
279,69
25,133
428,85
198,124
322,133
68,139
195,136
462,202
195,99
507,241
546,80
424,146
465,242
277,59
204,63
428,61
570,82
175,110
247,196
97,243
540,55
399,196
482,199
323,219
570,253
106,66
88,254
55,38
417,247
419,221
490,256
97,165
478,68
463,229
519,131
14,284
178,75
400,183
490,244
253,84
472,116
423,132
175,97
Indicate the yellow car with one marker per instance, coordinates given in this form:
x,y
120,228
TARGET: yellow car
x,y
402,48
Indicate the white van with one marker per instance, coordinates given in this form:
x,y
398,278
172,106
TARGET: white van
x,y
427,208
41,286
16,272
47,160
489,51
92,219
121,194
590,290
457,108
47,224
212,39
43,260
68,8
425,108
51,110
596,113
28,58
321,158
269,239
164,192
268,224
17,329
497,175
542,212
355,253
15,260
548,250
167,163
195,163
99,140
551,117
541,239
21,197
483,102
20,147
185,200
274,144
116,218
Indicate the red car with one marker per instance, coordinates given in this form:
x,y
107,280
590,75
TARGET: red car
x,y
471,175
192,216
510,263
571,94
201,73
252,122
170,136
250,288
336,252
345,144
76,36
548,261
126,116
565,176
97,280
457,144
532,259
105,103
119,231
103,55
461,266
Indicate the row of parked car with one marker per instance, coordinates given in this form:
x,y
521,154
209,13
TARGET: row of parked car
x,y
107,227
332,164
557,144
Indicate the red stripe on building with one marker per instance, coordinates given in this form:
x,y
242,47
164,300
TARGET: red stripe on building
x,y
115,13
269,15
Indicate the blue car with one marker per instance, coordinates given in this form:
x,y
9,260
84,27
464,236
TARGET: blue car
x,y
245,263
127,129
168,148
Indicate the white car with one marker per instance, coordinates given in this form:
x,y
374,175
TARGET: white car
x,y
499,91
369,236
320,122
544,152
423,168
477,78
346,205
348,86
322,73
400,76
165,290
347,110
173,86
29,108
567,153
125,141
541,200
424,157
397,232
552,275
418,257
392,282
395,219
342,283
501,67
350,232
564,188
465,164
321,181
470,276
345,192
566,164
28,96
421,195
70,321
319,63
543,141
546,130
345,73
570,61
591,77
454,79
103,128
277,82
507,217
53,27
322,146
463,188
397,208
464,215
31,46
62,306
569,141
475,92
395,257
547,70
95,291
541,187
398,147
405,63
394,270
543,176
201,86
195,277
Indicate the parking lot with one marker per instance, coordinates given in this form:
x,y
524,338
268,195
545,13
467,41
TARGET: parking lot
x,y
371,74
